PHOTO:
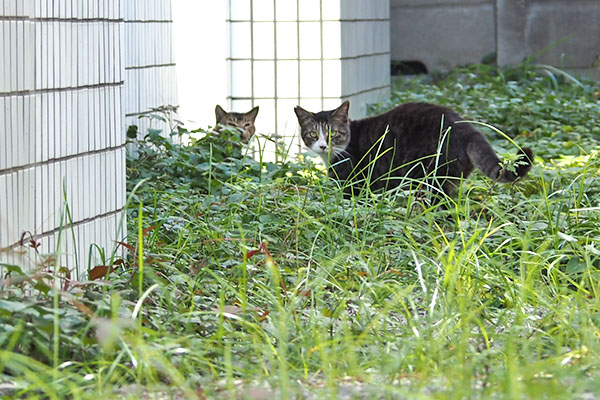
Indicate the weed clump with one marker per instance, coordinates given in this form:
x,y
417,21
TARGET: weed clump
x,y
244,276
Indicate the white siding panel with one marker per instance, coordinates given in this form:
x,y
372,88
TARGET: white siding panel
x,y
317,53
61,122
5,234
3,57
3,135
149,61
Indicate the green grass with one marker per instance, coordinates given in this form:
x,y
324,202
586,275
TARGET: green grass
x,y
261,279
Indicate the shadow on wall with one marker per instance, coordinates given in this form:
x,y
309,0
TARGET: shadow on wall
x,y
408,68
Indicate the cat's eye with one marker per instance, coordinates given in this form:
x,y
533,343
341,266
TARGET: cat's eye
x,y
333,134
313,134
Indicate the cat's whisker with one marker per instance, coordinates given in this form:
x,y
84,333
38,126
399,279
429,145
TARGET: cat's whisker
x,y
341,153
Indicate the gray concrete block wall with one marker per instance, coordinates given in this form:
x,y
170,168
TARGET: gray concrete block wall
x,y
443,34
564,33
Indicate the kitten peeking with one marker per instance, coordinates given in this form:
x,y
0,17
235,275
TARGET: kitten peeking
x,y
415,145
243,121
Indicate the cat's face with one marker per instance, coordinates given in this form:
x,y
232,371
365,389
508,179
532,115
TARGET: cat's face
x,y
243,121
327,133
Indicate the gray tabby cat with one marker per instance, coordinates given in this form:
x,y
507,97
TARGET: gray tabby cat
x,y
243,121
416,146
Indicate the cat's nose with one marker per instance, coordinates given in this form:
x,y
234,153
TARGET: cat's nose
x,y
323,147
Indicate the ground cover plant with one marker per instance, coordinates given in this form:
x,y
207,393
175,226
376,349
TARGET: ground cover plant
x,y
243,278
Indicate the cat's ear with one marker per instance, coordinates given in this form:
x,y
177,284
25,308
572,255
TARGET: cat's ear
x,y
251,115
340,114
220,113
303,115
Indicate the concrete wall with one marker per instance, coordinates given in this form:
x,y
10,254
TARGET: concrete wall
x,y
446,33
62,119
61,136
311,52
365,53
442,34
567,33
149,61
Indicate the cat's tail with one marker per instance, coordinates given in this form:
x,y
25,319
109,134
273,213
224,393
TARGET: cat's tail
x,y
483,156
